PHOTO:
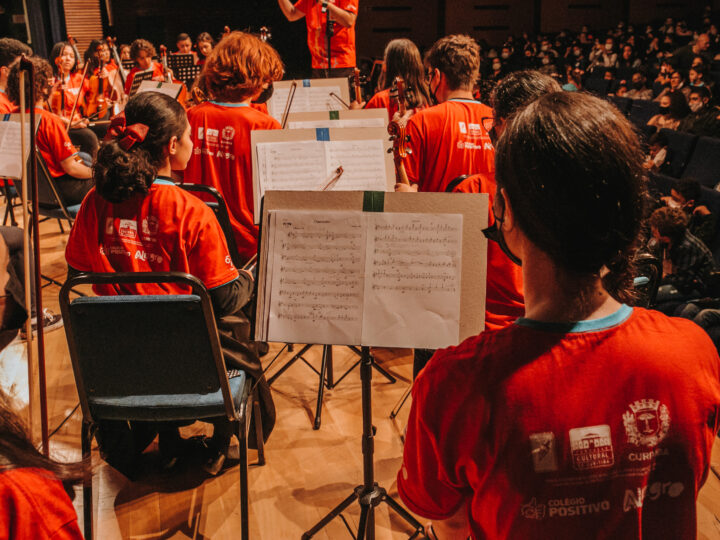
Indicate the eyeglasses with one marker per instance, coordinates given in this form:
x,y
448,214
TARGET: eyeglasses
x,y
488,122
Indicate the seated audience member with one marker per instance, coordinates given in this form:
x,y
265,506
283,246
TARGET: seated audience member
x,y
173,231
698,76
673,108
142,53
704,312
73,177
683,57
685,194
239,70
556,426
402,59
687,262
657,152
204,44
628,59
448,140
676,84
639,88
10,50
702,119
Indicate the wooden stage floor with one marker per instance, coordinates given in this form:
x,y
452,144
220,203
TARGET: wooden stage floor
x,y
307,472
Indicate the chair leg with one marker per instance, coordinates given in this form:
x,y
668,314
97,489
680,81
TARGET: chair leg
x,y
257,417
62,229
244,504
86,443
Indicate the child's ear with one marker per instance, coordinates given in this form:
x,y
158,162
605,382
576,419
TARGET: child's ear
x,y
172,145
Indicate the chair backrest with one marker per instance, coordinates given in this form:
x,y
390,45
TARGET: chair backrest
x,y
647,280
216,202
642,110
155,345
680,147
622,103
704,163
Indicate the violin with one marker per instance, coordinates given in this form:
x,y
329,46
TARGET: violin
x,y
79,59
116,57
265,34
56,102
357,85
99,96
398,133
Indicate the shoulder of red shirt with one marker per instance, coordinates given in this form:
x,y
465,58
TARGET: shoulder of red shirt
x,y
380,100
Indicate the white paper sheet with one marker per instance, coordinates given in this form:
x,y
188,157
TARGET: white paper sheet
x,y
167,88
11,161
307,99
317,277
341,123
412,280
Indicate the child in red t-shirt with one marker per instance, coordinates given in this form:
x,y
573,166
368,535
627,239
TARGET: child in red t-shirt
x,y
10,50
587,416
137,220
72,175
142,53
238,71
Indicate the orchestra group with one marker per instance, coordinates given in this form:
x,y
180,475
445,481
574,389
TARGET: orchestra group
x,y
574,413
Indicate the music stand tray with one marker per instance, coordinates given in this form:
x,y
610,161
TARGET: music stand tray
x,y
184,68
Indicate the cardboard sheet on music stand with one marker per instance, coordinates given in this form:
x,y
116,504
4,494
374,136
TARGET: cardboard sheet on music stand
x,y
330,119
138,79
473,207
167,88
335,134
276,104
10,158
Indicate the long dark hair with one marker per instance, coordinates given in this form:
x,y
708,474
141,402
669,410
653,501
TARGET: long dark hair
x,y
678,105
572,168
56,53
17,450
90,55
119,174
402,59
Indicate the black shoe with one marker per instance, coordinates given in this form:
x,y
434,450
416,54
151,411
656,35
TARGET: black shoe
x,y
51,321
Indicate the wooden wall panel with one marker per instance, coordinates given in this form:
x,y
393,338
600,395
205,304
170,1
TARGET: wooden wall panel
x,y
491,20
559,14
83,21
380,21
642,10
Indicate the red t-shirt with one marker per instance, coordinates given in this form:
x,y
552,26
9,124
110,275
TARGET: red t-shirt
x,y
34,504
53,141
603,429
6,106
168,230
262,107
504,300
158,74
72,89
222,159
382,100
342,45
448,140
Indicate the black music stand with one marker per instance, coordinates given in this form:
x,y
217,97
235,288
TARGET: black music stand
x,y
369,494
184,68
139,77
128,64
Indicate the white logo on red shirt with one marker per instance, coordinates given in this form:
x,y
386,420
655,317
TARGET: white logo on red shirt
x,y
591,447
544,452
647,422
150,226
463,127
533,510
228,133
212,135
128,228
201,131
635,498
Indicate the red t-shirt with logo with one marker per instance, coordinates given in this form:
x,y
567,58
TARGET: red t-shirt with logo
x,y
34,504
222,159
168,230
158,72
448,140
342,46
71,91
504,300
6,106
600,429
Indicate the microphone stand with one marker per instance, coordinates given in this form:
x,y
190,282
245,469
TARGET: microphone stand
x,y
329,32
26,65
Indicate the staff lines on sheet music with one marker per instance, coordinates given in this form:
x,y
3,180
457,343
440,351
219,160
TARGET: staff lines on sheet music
x,y
316,294
417,227
315,316
403,275
322,235
413,262
395,250
338,259
426,289
396,238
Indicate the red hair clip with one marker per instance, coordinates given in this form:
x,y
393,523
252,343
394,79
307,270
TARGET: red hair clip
x,y
127,135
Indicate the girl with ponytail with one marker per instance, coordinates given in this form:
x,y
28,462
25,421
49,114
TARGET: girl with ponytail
x,y
137,220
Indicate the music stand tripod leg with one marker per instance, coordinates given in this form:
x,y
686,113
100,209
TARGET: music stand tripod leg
x,y
369,494
326,354
289,363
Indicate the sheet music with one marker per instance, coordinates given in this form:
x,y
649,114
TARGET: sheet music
x,y
341,123
11,160
412,280
317,277
363,163
307,99
291,165
167,88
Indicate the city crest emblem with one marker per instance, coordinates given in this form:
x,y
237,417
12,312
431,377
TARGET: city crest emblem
x,y
647,422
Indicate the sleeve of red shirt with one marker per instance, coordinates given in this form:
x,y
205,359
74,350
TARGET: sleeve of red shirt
x,y
423,482
58,141
413,162
208,255
376,102
304,5
348,5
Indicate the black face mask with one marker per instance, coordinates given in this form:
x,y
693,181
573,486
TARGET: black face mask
x,y
664,110
495,234
637,85
265,95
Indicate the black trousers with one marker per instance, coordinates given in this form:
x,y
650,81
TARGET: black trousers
x,y
15,287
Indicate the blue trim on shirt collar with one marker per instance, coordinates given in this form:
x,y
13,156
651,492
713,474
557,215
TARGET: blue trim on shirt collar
x,y
464,100
577,327
162,182
229,104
